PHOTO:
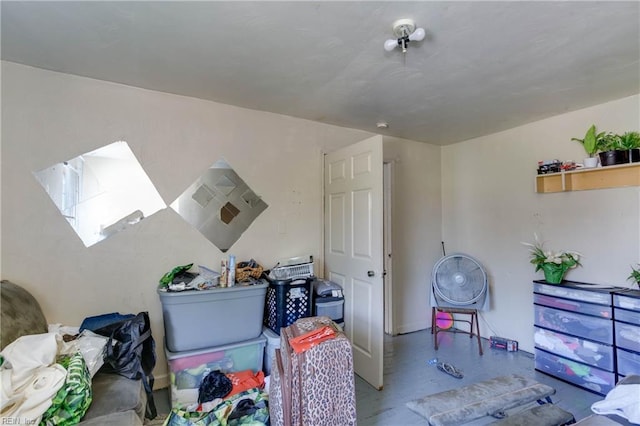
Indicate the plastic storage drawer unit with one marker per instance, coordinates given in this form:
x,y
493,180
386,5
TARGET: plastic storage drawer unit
x,y
206,318
569,292
628,362
628,299
576,349
630,317
590,378
574,306
187,369
628,336
592,328
286,301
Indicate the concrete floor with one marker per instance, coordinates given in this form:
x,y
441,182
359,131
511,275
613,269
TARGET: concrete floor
x,y
408,375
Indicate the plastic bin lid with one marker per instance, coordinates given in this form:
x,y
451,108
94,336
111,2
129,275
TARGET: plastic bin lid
x,y
271,335
175,355
324,287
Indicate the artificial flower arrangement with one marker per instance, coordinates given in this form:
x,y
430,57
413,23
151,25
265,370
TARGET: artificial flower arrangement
x,y
554,264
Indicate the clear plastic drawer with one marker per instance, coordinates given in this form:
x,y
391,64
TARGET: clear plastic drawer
x,y
628,362
590,296
627,336
585,351
573,305
587,377
627,316
574,324
629,300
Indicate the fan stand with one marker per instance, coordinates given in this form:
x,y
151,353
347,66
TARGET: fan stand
x,y
461,311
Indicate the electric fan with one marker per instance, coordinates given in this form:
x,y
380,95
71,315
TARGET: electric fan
x,y
459,281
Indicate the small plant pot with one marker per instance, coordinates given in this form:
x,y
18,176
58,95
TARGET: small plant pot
x,y
634,155
610,158
553,274
590,163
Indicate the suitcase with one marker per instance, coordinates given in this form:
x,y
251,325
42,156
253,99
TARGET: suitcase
x,y
315,387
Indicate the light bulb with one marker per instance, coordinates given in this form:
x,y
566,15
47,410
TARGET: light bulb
x,y
390,44
417,35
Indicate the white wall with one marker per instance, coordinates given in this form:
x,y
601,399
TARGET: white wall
x,y
51,117
489,207
416,229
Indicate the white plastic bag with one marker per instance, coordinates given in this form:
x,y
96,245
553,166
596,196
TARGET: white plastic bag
x,y
88,343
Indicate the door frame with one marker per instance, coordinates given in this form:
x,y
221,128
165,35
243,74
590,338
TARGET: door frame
x,y
387,187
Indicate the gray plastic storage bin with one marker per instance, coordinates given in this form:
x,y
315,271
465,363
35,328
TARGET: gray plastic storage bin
x,y
206,318
273,343
332,307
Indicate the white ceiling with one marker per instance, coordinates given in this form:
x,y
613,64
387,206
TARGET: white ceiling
x,y
483,67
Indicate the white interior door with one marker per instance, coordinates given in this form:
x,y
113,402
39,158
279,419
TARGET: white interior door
x,y
353,248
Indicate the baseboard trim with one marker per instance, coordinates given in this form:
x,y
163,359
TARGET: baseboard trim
x,y
410,328
161,381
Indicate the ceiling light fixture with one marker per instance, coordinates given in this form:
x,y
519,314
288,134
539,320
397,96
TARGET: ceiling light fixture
x,y
406,31
382,125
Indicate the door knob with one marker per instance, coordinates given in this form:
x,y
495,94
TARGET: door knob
x,y
371,274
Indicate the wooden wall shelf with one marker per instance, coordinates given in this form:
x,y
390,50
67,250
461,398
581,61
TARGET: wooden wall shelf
x,y
583,179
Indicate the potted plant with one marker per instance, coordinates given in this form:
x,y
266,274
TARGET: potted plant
x,y
611,150
635,275
554,264
590,146
631,142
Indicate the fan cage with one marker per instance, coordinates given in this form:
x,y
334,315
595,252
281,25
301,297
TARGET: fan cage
x,y
456,302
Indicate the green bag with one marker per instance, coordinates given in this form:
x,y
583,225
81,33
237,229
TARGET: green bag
x,y
169,276
74,397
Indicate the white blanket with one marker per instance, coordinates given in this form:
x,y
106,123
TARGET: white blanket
x,y
30,378
623,400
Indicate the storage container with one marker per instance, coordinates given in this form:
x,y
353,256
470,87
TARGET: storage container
x,y
578,325
188,368
627,336
200,319
628,362
287,272
627,316
273,343
332,307
629,299
286,301
568,291
587,377
588,352
574,306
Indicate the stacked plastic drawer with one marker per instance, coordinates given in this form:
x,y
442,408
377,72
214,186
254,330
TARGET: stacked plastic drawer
x,y
626,313
574,338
